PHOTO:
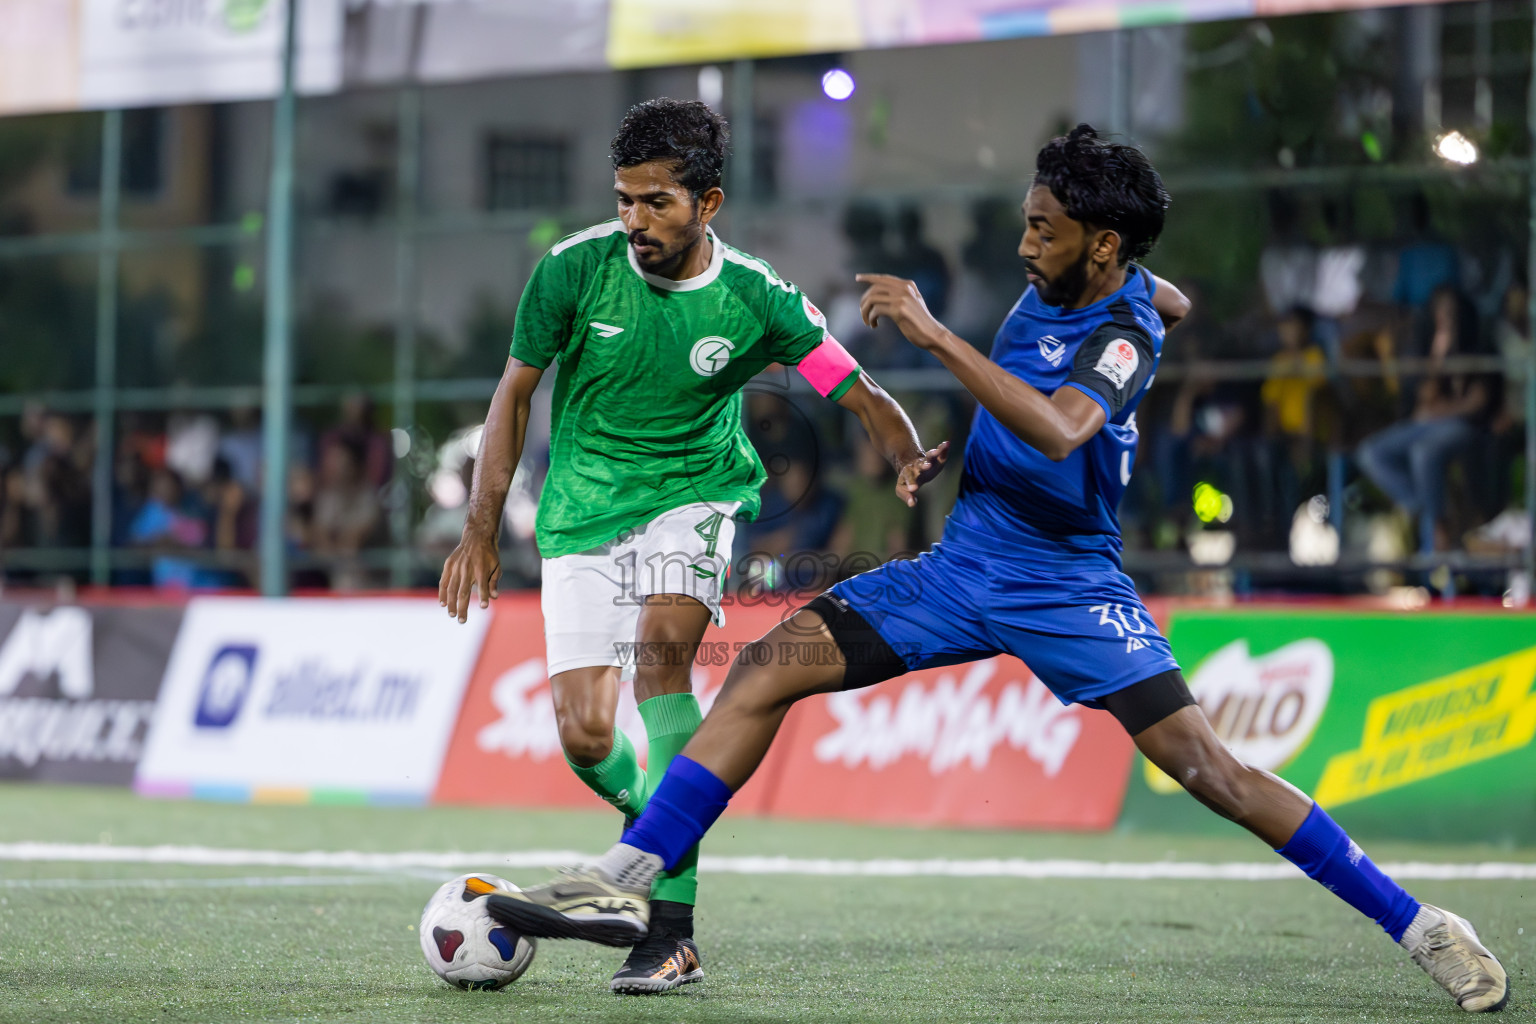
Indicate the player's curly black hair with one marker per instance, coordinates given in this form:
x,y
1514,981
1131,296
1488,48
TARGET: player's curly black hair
x,y
688,133
1106,184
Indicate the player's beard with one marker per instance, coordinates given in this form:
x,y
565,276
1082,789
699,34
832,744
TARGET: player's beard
x,y
1067,287
666,262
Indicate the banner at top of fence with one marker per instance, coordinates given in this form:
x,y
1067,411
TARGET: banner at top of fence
x,y
91,54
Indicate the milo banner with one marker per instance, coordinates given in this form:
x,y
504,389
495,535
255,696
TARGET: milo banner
x,y
1402,725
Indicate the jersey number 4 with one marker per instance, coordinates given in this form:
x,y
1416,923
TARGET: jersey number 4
x,y
709,531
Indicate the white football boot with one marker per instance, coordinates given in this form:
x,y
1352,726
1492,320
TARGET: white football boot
x,y
1447,947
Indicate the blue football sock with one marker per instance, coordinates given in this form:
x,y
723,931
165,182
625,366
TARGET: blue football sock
x,y
683,806
1328,856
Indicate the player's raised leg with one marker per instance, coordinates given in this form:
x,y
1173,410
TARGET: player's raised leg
x,y
926,613
606,902
1184,746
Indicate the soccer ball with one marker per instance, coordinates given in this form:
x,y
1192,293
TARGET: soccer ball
x,y
463,944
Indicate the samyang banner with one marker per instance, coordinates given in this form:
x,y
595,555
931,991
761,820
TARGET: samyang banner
x,y
983,744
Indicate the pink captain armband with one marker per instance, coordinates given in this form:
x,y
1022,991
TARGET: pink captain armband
x,y
830,369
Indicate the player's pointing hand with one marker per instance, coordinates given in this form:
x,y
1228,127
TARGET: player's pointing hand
x,y
898,300
918,472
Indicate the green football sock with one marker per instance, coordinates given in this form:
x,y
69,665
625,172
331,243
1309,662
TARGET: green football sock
x,y
670,721
618,777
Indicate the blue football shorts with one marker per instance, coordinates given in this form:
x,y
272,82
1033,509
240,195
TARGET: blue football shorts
x,y
1077,624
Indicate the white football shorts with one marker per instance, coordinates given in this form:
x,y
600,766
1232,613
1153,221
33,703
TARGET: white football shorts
x,y
591,600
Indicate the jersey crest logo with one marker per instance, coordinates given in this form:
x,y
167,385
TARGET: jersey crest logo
x,y
710,355
605,330
1118,362
1052,350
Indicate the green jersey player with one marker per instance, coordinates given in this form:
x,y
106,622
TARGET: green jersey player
x,y
656,325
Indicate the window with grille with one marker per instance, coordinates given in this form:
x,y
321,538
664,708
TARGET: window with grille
x,y
525,173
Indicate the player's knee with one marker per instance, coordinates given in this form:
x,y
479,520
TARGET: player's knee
x,y
586,734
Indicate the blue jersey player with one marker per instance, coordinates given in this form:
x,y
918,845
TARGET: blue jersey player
x,y
1029,565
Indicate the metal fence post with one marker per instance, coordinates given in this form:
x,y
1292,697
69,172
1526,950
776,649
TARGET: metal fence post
x,y
105,404
277,362
1530,323
743,159
407,207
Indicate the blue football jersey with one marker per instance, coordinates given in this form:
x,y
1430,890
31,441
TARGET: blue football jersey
x,y
1012,496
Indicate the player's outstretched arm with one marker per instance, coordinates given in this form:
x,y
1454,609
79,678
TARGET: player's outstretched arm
x,y
476,562
893,435
1054,425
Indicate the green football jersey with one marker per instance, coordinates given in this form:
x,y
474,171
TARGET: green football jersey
x,y
647,405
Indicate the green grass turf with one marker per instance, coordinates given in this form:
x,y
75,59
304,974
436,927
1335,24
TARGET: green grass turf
x,y
776,948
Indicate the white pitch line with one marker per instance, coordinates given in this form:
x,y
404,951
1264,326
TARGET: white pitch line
x,y
351,860
247,882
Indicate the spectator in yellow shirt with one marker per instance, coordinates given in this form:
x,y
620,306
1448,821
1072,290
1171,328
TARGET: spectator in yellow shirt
x,y
1295,376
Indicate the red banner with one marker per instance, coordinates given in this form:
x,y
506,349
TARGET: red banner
x,y
984,744
505,749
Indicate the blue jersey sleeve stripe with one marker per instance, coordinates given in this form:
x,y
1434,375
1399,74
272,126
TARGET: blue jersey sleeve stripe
x,y
1103,402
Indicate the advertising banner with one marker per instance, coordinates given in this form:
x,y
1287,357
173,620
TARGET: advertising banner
x,y
77,689
1415,725
506,746
347,700
142,52
67,54
979,745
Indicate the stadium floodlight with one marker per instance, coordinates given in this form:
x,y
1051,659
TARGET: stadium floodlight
x,y
837,84
1314,540
1211,548
1456,148
711,85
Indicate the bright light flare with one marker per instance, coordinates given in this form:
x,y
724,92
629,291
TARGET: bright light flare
x,y
1456,148
837,84
1211,505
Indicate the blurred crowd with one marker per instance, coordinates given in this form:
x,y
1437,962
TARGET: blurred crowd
x,y
185,494
1372,390
1389,402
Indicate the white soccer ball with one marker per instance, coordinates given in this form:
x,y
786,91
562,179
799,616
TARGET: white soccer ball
x,y
463,944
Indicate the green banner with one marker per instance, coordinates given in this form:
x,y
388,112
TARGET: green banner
x,y
1400,725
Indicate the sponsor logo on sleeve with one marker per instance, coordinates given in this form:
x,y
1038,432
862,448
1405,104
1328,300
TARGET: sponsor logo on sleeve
x,y
1118,362
813,314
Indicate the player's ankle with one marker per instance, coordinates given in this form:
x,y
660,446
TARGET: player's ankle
x,y
630,867
673,917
